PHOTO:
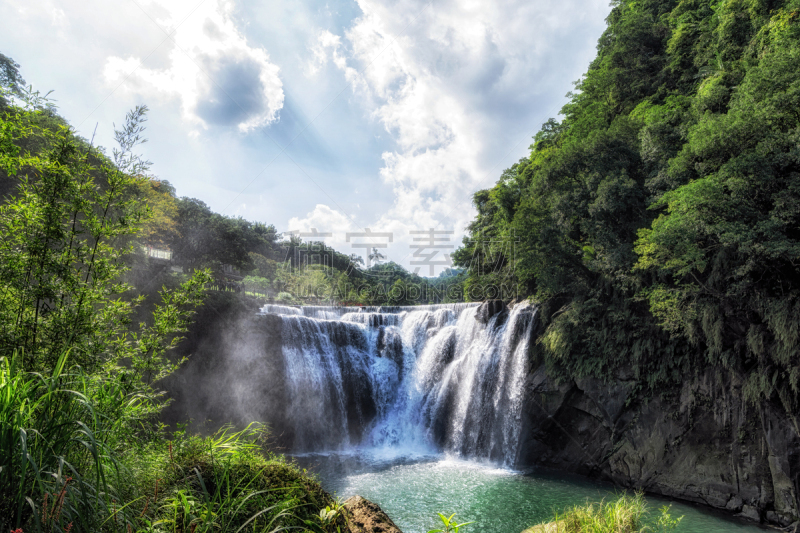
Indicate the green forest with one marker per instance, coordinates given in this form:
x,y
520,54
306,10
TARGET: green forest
x,y
658,222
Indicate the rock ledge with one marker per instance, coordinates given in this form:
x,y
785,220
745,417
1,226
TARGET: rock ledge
x,y
367,517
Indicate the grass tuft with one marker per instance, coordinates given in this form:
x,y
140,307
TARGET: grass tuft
x,y
625,514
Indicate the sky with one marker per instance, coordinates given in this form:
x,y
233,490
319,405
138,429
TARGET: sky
x,y
366,123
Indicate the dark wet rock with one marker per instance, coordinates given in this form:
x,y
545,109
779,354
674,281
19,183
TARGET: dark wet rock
x,y
702,443
488,309
734,504
750,512
363,516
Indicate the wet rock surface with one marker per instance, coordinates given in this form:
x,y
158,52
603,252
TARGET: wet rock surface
x,y
363,516
488,309
702,444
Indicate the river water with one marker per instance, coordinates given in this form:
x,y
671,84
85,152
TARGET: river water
x,y
413,488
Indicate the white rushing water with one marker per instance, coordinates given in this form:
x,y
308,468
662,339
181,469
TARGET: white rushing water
x,y
424,379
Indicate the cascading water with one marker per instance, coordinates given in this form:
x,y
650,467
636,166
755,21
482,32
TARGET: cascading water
x,y
389,389
436,377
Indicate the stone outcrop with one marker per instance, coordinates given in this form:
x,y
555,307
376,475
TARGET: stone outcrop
x,y
488,309
703,444
363,516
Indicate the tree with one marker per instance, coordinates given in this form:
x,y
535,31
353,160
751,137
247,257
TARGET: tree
x,y
725,249
400,293
10,77
376,257
65,235
656,223
75,375
205,238
160,229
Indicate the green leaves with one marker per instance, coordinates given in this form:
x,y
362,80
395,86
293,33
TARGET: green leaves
x,y
628,514
64,237
727,242
661,215
60,251
74,375
53,433
328,515
450,524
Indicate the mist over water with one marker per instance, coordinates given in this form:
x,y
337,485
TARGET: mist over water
x,y
408,379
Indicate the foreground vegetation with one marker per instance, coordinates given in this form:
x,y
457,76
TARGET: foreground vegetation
x,y
625,514
80,358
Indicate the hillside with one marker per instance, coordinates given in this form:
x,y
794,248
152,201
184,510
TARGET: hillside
x,y
658,222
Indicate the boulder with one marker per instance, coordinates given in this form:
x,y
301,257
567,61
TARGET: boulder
x,y
751,513
363,516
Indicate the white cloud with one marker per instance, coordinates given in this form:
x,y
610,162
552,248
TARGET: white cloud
x,y
48,11
325,220
326,44
458,84
219,78
393,236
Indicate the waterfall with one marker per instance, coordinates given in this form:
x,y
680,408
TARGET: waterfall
x,y
438,377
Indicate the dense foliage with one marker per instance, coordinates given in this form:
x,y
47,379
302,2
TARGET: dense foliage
x,y
81,449
266,263
658,223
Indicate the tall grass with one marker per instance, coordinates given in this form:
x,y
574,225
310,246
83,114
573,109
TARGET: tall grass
x,y
225,482
625,514
70,462
56,459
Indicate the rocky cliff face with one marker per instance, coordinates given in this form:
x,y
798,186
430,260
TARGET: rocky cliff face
x,y
703,444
